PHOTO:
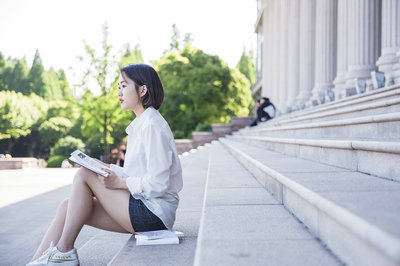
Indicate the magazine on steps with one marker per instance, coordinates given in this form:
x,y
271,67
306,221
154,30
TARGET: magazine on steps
x,y
158,237
88,162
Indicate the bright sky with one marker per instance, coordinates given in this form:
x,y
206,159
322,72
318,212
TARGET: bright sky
x,y
58,27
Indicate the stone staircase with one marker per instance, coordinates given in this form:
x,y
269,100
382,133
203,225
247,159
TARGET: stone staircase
x,y
336,168
319,186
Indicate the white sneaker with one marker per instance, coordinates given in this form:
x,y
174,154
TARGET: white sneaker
x,y
69,258
42,260
52,256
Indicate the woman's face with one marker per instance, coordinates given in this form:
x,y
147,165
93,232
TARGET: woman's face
x,y
128,97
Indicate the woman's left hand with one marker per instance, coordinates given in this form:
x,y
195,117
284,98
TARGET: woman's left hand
x,y
112,181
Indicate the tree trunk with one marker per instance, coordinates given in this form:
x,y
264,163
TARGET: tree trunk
x,y
105,138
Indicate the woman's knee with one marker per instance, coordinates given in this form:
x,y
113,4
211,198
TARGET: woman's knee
x,y
83,174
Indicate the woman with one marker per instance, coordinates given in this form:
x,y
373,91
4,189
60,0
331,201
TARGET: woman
x,y
145,189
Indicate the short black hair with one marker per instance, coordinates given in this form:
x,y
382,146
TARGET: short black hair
x,y
265,99
143,74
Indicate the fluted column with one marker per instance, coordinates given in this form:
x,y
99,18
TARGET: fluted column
x,y
342,39
275,51
265,50
364,40
307,38
325,49
268,87
390,35
293,54
283,44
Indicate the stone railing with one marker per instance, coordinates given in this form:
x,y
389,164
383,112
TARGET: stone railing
x,y
200,138
18,163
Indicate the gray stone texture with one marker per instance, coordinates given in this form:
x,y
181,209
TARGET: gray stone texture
x,y
243,225
374,201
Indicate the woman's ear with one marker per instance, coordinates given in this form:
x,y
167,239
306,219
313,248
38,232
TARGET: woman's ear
x,y
143,90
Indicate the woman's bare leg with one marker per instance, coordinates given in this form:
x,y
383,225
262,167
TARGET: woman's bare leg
x,y
55,230
81,208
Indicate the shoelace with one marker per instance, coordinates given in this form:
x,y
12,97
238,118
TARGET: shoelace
x,y
47,251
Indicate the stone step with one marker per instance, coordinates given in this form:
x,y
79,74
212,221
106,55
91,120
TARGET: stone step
x,y
101,248
242,224
379,158
372,103
384,126
354,214
188,216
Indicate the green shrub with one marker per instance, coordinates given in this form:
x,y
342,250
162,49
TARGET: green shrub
x,y
204,127
55,161
66,145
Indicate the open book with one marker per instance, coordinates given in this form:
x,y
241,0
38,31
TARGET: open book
x,y
158,237
88,162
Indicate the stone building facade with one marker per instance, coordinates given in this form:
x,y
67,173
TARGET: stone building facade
x,y
313,51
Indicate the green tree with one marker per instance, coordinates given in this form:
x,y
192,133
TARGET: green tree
x,y
17,115
174,45
102,113
36,76
247,67
17,78
53,129
130,56
3,67
239,96
196,87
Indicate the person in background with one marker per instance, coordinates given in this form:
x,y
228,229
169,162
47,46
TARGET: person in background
x,y
266,110
121,157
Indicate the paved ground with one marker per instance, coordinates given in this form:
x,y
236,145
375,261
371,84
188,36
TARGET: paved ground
x,y
28,202
18,185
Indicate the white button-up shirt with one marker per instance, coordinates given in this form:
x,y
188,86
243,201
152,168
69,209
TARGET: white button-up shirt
x,y
152,167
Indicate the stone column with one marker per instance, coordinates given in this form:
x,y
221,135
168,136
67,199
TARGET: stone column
x,y
306,60
275,51
293,54
265,76
283,44
268,88
390,38
342,43
364,25
325,50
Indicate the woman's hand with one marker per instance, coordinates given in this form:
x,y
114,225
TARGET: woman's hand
x,y
112,181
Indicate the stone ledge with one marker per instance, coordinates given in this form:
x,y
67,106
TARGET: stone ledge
x,y
374,146
337,110
391,117
18,163
356,99
367,233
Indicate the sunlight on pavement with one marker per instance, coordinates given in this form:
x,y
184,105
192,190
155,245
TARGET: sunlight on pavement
x,y
18,185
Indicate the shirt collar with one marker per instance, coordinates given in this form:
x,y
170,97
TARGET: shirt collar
x,y
138,120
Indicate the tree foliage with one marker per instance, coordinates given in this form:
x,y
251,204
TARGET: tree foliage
x,y
200,89
102,113
17,114
15,75
247,67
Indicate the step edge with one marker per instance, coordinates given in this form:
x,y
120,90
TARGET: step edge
x,y
201,225
375,233
391,117
352,144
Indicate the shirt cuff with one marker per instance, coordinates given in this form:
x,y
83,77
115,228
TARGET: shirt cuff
x,y
134,185
118,170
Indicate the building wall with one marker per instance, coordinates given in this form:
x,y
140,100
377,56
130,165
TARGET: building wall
x,y
314,51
